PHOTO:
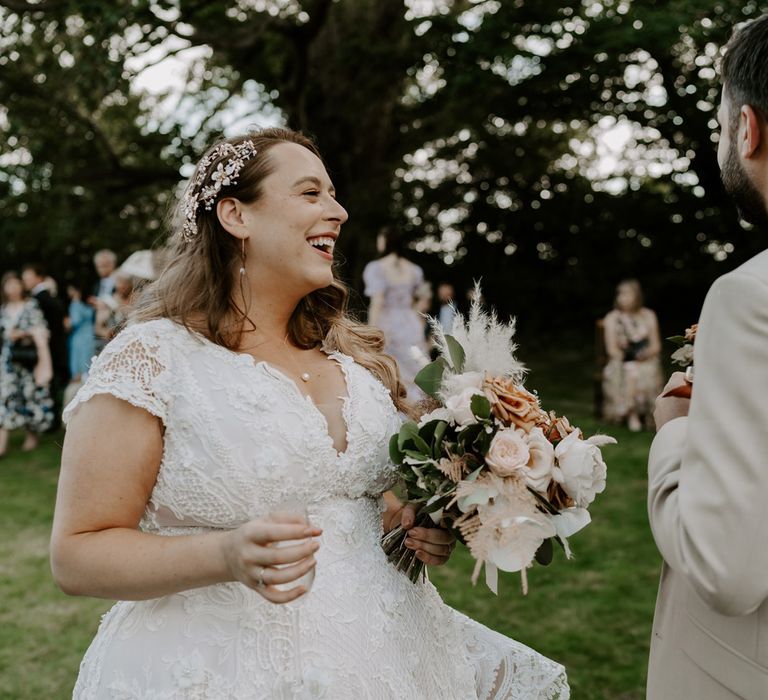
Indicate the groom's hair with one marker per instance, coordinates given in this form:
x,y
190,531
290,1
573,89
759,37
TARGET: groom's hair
x,y
745,68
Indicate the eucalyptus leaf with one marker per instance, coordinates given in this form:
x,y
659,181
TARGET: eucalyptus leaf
x,y
421,444
427,431
469,434
394,451
456,353
430,378
417,455
480,407
677,339
437,442
437,504
407,432
483,442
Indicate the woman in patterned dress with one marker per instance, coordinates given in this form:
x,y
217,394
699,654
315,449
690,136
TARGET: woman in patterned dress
x,y
25,400
632,378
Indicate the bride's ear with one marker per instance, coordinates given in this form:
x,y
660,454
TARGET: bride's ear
x,y
229,211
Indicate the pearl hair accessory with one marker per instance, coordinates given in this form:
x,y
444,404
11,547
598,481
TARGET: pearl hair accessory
x,y
225,174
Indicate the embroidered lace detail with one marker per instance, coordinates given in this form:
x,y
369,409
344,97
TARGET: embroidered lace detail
x,y
239,440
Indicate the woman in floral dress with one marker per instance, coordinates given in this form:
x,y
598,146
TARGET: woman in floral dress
x,y
25,399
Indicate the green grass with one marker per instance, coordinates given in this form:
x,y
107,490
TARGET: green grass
x,y
593,614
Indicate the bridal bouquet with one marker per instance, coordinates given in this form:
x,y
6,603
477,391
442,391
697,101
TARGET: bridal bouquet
x,y
487,462
683,357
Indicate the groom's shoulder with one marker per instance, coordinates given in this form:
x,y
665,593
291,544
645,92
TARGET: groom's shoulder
x,y
753,272
756,268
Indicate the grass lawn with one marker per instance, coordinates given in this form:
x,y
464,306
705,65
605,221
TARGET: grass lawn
x,y
592,614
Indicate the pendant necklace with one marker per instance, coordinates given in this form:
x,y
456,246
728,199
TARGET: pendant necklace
x,y
305,376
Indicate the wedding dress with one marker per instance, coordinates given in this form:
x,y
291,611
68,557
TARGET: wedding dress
x,y
240,439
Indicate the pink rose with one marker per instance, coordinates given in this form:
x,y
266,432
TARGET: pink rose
x,y
508,453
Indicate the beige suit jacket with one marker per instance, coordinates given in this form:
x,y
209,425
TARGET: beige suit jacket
x,y
708,507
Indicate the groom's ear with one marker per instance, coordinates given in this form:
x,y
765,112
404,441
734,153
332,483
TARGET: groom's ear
x,y
751,132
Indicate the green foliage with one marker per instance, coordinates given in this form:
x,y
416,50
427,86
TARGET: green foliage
x,y
473,124
430,377
480,407
456,353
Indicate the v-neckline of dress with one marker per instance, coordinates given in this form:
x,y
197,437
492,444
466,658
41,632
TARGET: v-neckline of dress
x,y
339,357
306,399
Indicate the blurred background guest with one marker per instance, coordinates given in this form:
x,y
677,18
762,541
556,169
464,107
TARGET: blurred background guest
x,y
80,324
632,377
25,365
112,312
105,263
392,282
36,283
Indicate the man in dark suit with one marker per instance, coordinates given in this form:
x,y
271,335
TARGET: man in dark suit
x,y
35,282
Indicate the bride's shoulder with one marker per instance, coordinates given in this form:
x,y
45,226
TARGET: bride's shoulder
x,y
159,337
156,329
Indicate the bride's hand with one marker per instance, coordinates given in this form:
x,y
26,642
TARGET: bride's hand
x,y
432,545
251,561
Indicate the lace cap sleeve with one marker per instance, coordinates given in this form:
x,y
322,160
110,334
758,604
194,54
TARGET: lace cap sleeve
x,y
133,367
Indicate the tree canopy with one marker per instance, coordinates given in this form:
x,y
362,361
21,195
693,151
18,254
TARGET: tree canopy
x,y
483,129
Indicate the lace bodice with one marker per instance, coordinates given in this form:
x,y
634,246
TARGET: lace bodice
x,y
239,439
239,436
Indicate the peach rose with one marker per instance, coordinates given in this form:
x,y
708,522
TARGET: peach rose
x,y
513,404
508,453
560,427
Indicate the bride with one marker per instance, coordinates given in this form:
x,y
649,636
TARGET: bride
x,y
225,473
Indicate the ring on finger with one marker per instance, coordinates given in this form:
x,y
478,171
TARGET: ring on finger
x,y
260,579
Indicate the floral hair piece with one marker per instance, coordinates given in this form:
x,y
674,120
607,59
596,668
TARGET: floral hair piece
x,y
225,174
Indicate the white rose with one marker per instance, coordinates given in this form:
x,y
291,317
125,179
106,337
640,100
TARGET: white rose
x,y
437,414
460,408
508,452
581,469
538,475
684,355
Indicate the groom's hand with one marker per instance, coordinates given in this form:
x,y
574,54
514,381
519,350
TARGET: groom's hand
x,y
670,407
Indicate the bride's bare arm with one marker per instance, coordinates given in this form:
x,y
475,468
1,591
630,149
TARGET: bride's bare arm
x,y
110,462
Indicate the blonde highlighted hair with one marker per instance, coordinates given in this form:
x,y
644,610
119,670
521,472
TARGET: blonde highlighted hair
x,y
198,286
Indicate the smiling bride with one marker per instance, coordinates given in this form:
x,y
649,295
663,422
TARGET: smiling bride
x,y
225,473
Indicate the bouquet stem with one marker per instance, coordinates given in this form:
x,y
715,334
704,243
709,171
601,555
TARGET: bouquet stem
x,y
403,558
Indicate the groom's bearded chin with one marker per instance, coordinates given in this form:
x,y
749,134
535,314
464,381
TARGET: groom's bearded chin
x,y
750,203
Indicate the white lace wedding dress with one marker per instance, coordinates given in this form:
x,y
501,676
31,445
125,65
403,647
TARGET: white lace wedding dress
x,y
239,439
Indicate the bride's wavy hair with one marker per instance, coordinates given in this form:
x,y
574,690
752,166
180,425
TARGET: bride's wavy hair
x,y
199,285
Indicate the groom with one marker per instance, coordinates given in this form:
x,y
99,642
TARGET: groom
x,y
708,470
